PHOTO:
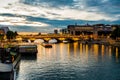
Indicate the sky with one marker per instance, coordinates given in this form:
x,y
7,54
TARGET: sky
x,y
47,15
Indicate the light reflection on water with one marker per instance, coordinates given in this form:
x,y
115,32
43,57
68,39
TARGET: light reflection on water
x,y
72,61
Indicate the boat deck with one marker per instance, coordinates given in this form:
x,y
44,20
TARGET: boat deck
x,y
46,45
5,67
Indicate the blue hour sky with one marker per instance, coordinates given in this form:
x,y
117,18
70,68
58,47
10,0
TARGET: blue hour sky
x,y
47,15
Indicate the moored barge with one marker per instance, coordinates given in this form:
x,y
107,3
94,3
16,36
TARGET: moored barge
x,y
9,63
28,49
46,45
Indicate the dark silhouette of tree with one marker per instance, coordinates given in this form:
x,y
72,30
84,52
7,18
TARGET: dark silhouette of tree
x,y
116,33
15,34
1,37
11,35
39,33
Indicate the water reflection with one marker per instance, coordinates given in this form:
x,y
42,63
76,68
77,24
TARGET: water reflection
x,y
74,61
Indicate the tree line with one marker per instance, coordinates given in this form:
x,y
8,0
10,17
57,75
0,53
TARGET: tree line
x,y
9,35
116,33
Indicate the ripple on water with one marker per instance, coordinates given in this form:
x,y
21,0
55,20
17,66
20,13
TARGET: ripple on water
x,y
66,62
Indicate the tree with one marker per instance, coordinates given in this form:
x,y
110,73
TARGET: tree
x,y
15,34
115,33
10,35
1,37
39,33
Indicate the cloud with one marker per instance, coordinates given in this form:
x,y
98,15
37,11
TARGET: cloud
x,y
4,3
20,22
60,13
46,13
109,7
52,3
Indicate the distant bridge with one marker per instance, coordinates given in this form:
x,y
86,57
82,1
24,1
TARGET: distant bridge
x,y
48,37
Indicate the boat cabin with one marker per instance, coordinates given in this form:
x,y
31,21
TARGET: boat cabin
x,y
27,49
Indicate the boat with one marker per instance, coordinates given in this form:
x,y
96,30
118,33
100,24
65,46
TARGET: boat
x,y
28,49
66,41
52,41
9,63
46,45
39,41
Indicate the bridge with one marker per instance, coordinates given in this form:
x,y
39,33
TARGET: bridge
x,y
54,36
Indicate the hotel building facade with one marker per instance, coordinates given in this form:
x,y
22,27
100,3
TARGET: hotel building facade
x,y
96,30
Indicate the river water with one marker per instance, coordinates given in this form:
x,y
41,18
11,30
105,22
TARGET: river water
x,y
74,61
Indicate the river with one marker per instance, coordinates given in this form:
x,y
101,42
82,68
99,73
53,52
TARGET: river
x,y
73,61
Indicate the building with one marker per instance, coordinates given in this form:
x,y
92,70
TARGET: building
x,y
4,30
64,31
80,29
95,30
55,31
